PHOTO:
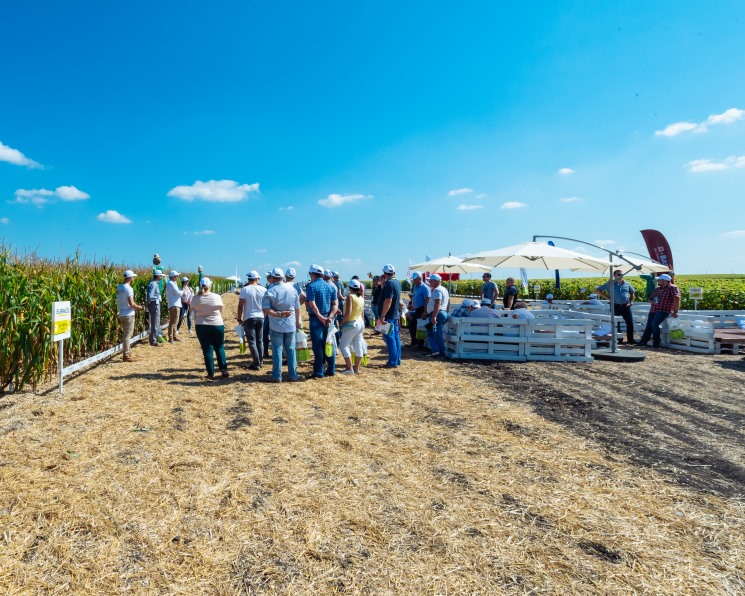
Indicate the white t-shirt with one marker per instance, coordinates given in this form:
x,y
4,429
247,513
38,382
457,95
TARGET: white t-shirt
x,y
123,292
439,293
207,309
252,294
522,313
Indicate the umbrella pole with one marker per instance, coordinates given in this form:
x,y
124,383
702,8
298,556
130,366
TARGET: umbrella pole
x,y
612,293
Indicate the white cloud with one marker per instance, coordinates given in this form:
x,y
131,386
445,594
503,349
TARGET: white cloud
x,y
481,196
343,262
469,207
114,217
709,165
565,171
570,200
70,193
734,234
4,220
17,158
42,196
33,196
513,205
459,191
604,243
202,233
292,264
726,117
214,191
262,250
288,208
673,130
336,200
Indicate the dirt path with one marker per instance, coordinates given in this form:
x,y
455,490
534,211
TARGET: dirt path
x,y
434,478
680,414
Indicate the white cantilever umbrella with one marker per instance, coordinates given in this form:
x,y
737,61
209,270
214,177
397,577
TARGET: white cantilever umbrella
x,y
634,265
234,278
537,255
449,264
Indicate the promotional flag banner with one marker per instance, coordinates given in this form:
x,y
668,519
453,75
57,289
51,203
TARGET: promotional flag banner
x,y
658,247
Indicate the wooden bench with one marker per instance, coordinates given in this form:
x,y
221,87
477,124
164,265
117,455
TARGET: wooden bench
x,y
732,338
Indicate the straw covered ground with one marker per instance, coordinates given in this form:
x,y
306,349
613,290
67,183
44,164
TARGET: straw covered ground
x,y
436,478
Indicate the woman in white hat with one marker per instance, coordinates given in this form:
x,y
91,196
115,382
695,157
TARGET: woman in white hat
x,y
210,328
352,327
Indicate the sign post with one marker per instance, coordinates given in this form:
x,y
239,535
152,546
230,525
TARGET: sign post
x,y
695,294
61,324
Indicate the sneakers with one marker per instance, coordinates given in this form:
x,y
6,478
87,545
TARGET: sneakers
x,y
299,378
347,372
435,355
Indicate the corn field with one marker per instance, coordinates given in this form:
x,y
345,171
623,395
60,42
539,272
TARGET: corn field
x,y
29,285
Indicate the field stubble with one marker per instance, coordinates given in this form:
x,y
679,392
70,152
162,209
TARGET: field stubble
x,y
435,478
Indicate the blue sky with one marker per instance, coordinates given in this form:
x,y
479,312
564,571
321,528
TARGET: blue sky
x,y
356,134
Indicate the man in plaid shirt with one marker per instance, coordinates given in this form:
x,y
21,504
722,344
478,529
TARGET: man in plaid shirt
x,y
665,301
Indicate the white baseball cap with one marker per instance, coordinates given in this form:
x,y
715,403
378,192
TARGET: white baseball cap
x,y
355,283
664,277
129,273
317,269
416,275
291,273
253,274
173,273
157,273
435,277
277,272
485,301
184,278
591,296
328,273
389,269
206,281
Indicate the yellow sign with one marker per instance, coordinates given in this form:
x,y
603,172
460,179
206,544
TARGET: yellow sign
x,y
61,320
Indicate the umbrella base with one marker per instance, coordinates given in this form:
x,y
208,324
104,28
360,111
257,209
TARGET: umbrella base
x,y
619,355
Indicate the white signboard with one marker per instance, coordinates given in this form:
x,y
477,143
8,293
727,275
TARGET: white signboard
x,y
696,292
61,320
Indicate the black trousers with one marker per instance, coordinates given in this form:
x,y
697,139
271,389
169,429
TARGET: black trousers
x,y
411,320
624,310
255,338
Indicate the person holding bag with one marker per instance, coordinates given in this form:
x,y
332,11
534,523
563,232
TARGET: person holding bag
x,y
352,327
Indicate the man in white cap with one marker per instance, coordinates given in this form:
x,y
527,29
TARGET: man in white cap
x,y
290,275
484,310
665,301
437,309
127,307
281,305
251,316
153,307
322,303
420,293
173,297
389,312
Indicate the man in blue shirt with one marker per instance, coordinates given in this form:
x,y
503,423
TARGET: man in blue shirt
x,y
322,304
281,304
623,298
153,305
388,309
419,295
489,290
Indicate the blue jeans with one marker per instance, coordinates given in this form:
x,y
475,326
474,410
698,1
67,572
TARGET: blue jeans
x,y
436,334
393,343
318,334
255,339
654,320
283,341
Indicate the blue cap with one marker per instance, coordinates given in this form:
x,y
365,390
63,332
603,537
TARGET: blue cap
x,y
435,277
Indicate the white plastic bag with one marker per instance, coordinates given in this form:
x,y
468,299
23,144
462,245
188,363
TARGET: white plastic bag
x,y
301,340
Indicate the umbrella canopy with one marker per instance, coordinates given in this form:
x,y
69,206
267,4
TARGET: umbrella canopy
x,y
234,278
449,265
537,255
635,265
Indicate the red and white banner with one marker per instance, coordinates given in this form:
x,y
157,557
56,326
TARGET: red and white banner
x,y
658,247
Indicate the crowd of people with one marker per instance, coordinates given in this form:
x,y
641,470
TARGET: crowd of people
x,y
271,319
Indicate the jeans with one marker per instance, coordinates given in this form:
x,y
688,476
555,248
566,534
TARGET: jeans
x,y
185,313
255,339
654,320
411,319
392,341
212,338
265,337
624,311
318,334
153,309
283,341
436,334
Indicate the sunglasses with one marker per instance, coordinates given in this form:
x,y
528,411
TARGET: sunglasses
x,y
618,275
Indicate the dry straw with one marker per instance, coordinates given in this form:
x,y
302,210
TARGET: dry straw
x,y
144,478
